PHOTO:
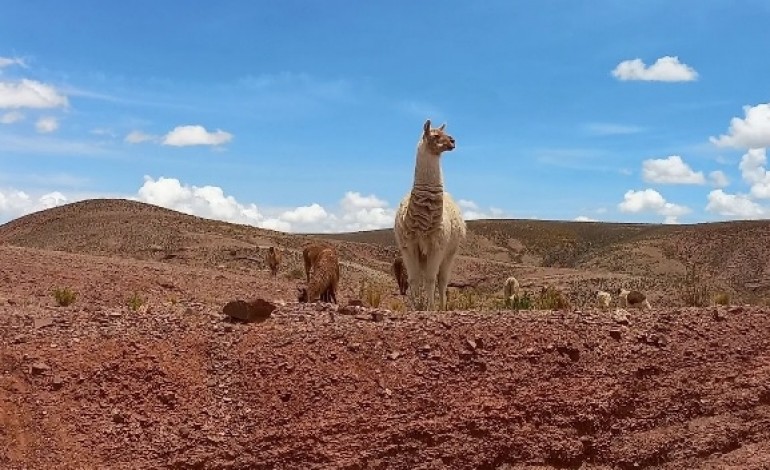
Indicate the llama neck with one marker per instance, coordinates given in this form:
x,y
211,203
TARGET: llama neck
x,y
427,170
426,201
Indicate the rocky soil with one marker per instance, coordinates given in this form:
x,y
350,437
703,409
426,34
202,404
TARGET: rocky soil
x,y
176,384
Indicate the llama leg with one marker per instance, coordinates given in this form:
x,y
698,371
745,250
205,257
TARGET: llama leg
x,y
412,265
432,274
443,278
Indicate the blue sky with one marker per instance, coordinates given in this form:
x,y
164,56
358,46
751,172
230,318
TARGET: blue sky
x,y
304,116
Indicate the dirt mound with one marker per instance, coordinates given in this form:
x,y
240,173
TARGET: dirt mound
x,y
312,389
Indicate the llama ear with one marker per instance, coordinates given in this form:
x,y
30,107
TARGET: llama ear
x,y
426,128
442,127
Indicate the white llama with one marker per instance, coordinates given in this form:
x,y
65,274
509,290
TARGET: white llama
x,y
429,226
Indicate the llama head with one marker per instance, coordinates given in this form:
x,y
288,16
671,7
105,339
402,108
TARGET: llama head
x,y
302,295
436,140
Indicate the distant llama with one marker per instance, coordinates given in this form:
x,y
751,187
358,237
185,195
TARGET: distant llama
x,y
429,225
633,298
511,291
399,272
273,258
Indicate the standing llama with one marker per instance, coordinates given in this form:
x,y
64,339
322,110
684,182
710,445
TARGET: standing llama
x,y
429,226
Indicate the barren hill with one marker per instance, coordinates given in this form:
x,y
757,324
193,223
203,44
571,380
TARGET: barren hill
x,y
578,257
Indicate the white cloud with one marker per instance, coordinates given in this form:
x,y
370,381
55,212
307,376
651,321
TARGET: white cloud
x,y
734,205
203,201
137,137
753,170
665,69
30,94
670,170
7,61
472,211
356,212
15,203
583,218
649,200
47,124
311,214
353,201
183,136
719,179
11,117
751,132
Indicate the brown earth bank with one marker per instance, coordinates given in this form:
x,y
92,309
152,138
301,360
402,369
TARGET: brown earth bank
x,y
175,385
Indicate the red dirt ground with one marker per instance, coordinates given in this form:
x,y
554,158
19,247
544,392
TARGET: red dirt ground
x,y
175,385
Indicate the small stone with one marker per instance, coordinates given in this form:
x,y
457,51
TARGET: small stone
x,y
394,355
471,344
354,346
39,368
378,316
615,333
57,382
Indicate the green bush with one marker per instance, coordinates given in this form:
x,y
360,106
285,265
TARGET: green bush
x,y
64,296
134,302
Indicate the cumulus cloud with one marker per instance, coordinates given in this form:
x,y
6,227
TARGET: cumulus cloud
x,y
583,218
204,201
15,203
472,211
719,179
47,124
356,212
734,205
665,69
753,131
137,137
754,171
183,136
359,212
649,200
11,117
670,170
30,94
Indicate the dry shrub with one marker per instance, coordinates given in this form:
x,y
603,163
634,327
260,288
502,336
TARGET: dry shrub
x,y
371,293
135,302
64,296
397,305
551,298
722,298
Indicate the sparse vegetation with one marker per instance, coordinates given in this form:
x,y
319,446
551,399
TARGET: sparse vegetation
x,y
522,301
296,273
371,293
551,298
135,302
722,298
397,305
64,296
